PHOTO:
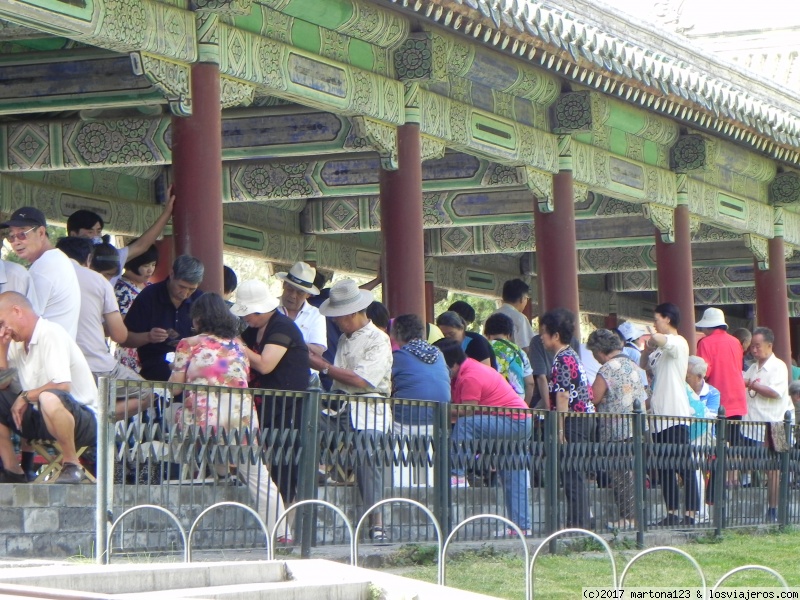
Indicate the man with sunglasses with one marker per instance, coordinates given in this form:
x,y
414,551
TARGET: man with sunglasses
x,y
54,279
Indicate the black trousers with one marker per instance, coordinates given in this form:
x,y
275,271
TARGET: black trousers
x,y
284,415
577,430
679,436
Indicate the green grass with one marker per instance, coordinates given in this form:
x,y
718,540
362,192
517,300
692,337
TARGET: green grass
x,y
562,576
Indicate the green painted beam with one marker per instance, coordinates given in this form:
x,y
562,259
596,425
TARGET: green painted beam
x,y
144,25
706,278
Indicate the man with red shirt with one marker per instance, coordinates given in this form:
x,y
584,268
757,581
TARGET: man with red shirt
x,y
723,353
475,384
724,356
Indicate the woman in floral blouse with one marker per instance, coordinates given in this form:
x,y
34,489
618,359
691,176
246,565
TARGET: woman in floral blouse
x,y
214,358
617,386
570,395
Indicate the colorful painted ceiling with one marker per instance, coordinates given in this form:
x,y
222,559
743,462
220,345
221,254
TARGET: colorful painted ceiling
x,y
505,93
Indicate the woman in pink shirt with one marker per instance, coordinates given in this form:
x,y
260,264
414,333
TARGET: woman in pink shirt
x,y
475,384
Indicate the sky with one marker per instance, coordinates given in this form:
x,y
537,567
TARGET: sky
x,y
722,15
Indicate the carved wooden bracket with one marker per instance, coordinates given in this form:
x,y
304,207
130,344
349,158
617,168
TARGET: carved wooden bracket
x,y
236,93
759,246
663,217
380,137
172,78
541,184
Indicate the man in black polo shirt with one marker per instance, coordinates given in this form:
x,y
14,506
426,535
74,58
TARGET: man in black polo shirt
x,y
159,317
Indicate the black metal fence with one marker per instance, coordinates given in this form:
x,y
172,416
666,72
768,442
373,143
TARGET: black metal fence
x,y
542,470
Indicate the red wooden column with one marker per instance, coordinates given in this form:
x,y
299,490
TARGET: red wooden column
x,y
772,303
401,226
197,169
166,256
556,254
611,321
430,300
674,268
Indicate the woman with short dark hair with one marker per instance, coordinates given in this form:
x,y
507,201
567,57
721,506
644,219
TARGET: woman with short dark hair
x,y
570,393
666,356
474,345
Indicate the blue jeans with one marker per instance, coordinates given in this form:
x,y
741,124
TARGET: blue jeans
x,y
515,484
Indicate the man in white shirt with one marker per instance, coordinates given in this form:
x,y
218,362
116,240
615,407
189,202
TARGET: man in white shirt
x,y
59,395
362,367
57,290
516,294
99,317
767,383
15,278
298,287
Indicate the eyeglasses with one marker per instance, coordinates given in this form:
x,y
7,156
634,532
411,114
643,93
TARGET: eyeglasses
x,y
21,236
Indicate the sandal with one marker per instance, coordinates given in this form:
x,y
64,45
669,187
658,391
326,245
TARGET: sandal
x,y
378,534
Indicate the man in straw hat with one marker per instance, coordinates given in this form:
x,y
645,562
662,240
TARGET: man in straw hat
x,y
298,287
362,367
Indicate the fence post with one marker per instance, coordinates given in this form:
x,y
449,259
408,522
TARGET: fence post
x,y
551,473
783,495
104,454
638,472
720,473
441,466
309,461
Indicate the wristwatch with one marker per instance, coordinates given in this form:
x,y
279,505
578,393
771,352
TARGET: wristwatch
x,y
325,370
24,395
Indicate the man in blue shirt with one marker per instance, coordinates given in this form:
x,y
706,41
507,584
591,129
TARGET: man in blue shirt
x,y
159,317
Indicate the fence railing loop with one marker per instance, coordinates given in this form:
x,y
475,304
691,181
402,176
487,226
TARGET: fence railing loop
x,y
514,526
419,505
773,572
213,507
161,509
333,507
686,555
557,534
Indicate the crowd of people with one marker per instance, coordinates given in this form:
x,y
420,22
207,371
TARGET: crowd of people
x,y
222,358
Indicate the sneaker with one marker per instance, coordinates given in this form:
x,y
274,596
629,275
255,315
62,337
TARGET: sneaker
x,y
71,473
285,540
772,515
378,534
511,532
671,520
11,477
687,520
458,481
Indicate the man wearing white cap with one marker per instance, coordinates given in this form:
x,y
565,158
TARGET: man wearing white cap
x,y
362,367
298,287
723,353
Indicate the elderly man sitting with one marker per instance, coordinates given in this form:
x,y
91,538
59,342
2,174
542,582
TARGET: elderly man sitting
x,y
56,380
362,367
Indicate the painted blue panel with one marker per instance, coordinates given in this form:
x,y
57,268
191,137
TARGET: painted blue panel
x,y
337,173
492,204
278,130
451,166
317,75
482,97
492,70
